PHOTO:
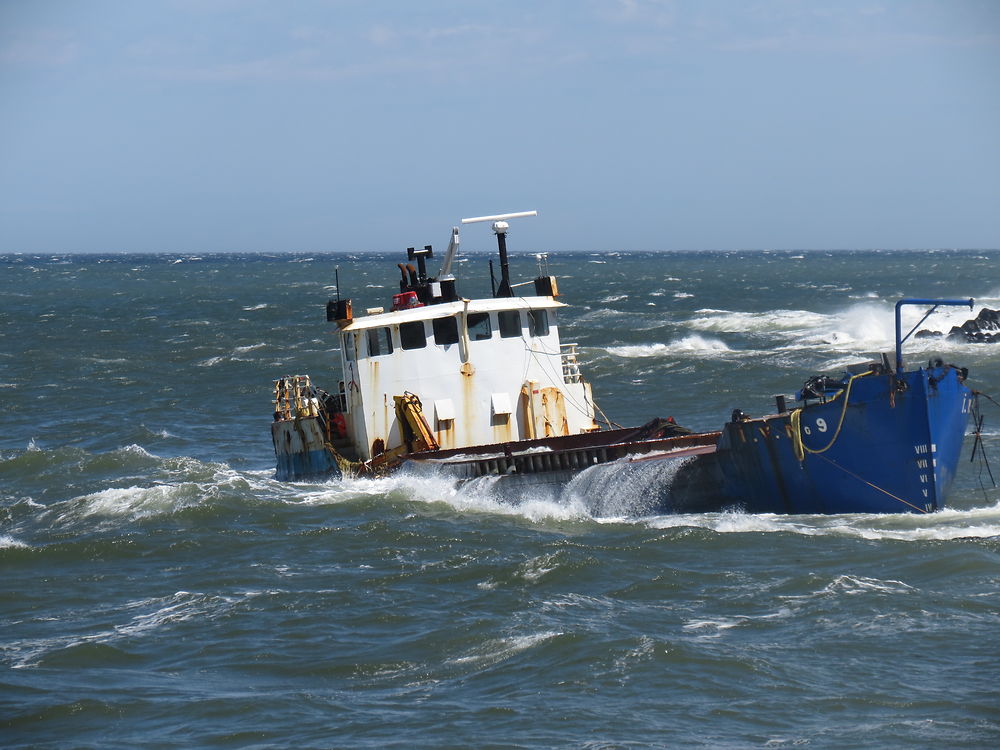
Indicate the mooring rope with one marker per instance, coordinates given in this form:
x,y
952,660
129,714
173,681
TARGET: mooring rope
x,y
795,420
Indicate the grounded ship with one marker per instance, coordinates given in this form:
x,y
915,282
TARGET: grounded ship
x,y
486,388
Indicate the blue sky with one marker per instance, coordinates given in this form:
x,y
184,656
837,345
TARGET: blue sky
x,y
242,125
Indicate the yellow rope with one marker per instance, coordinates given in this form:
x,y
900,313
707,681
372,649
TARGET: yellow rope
x,y
795,420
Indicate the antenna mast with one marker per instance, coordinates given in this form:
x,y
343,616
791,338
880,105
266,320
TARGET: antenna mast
x,y
500,227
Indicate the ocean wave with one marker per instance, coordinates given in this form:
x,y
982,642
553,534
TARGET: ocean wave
x,y
429,485
249,348
729,321
686,345
154,614
853,585
944,525
9,542
135,502
858,330
498,650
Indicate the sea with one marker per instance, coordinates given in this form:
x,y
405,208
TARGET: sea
x,y
160,589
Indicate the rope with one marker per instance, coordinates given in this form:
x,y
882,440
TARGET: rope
x,y
873,486
977,420
607,420
795,420
986,396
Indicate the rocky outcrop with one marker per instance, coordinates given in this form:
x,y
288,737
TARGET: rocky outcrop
x,y
982,329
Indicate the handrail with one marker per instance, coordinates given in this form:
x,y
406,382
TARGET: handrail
x,y
570,364
936,303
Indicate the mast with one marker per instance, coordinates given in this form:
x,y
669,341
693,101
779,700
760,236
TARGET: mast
x,y
500,228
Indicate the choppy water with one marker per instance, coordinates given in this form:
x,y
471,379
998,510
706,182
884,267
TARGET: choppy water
x,y
160,589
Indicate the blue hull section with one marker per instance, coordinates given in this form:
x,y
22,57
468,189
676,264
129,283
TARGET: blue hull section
x,y
301,450
312,464
891,445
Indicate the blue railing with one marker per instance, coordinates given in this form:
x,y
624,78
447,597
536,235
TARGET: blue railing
x,y
937,303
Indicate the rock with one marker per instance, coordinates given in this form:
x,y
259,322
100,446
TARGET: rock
x,y
979,330
982,329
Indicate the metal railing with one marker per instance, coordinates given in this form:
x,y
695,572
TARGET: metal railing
x,y
570,365
294,396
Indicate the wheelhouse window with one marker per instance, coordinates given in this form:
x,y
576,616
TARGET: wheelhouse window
x,y
538,320
347,341
479,326
510,323
412,336
379,342
445,331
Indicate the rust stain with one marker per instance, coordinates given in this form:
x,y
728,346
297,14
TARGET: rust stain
x,y
467,414
554,412
445,433
526,412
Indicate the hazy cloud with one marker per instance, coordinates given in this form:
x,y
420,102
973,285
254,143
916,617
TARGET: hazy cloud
x,y
42,47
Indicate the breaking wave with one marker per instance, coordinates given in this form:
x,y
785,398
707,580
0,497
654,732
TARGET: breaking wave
x,y
945,525
634,492
728,321
686,345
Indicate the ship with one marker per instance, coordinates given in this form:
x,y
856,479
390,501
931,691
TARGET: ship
x,y
486,390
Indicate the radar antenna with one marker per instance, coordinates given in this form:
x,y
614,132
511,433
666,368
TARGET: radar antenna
x,y
500,227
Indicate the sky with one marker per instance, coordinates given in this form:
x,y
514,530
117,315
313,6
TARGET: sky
x,y
373,125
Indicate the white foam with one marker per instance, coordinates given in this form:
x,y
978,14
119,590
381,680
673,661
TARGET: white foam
x,y
728,321
853,585
8,542
133,502
250,348
500,649
686,345
940,526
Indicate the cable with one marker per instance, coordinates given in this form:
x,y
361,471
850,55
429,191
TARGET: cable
x,y
874,486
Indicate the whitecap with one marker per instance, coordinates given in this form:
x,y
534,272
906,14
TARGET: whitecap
x,y
500,649
686,345
728,321
853,585
250,348
8,542
134,502
165,611
944,525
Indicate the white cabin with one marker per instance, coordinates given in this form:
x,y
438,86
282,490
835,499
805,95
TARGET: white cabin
x,y
485,371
